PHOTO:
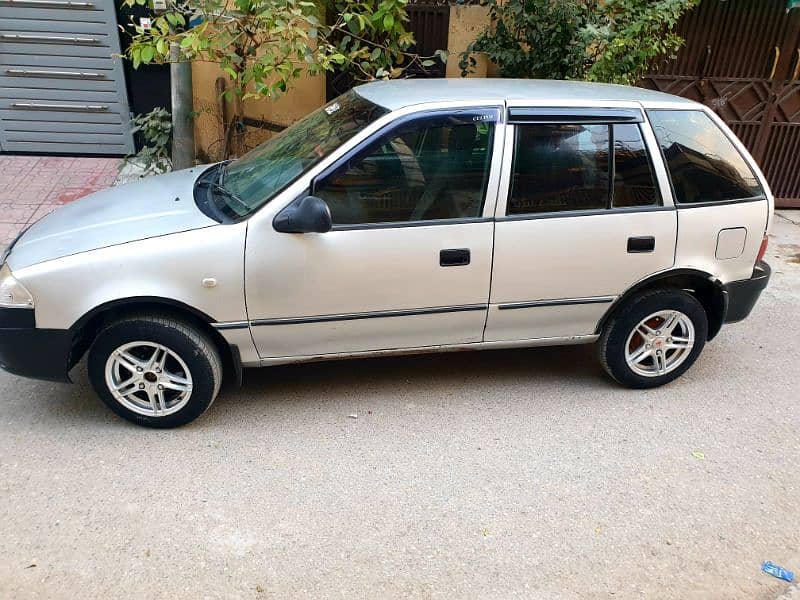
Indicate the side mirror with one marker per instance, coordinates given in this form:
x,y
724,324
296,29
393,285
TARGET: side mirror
x,y
310,215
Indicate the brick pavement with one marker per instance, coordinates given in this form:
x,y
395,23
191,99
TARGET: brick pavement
x,y
32,186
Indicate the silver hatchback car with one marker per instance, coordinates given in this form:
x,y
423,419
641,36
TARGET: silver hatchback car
x,y
402,217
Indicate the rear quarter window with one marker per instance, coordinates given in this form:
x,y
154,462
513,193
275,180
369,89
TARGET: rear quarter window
x,y
703,163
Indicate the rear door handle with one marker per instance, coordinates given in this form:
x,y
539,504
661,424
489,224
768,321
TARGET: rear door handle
x,y
454,257
641,244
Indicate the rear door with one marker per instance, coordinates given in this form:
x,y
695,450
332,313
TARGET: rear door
x,y
580,218
60,88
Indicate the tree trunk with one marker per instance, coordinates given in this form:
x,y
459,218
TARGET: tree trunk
x,y
182,109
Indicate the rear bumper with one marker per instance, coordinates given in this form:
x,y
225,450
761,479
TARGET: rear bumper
x,y
31,352
742,295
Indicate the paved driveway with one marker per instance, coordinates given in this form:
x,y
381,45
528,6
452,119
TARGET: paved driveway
x,y
485,475
32,186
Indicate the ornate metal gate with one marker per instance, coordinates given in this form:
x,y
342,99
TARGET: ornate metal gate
x,y
742,59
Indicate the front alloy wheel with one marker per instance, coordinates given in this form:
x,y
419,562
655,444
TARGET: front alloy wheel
x,y
148,378
155,370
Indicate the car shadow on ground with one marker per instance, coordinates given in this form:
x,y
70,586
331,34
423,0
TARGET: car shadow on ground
x,y
424,375
429,372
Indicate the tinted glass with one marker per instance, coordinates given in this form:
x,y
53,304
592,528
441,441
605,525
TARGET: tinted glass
x,y
429,169
634,184
703,163
258,175
559,167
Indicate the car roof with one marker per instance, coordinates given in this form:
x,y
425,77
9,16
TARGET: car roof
x,y
398,94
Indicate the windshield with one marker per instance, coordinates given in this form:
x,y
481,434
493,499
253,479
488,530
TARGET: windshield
x,y
253,180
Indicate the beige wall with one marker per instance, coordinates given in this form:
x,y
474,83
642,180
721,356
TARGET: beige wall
x,y
308,93
466,22
305,94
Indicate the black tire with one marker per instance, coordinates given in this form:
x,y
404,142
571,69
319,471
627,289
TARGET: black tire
x,y
612,342
194,347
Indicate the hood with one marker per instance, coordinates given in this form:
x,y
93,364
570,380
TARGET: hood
x,y
151,207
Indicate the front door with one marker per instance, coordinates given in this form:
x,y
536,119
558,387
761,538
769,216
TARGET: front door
x,y
579,221
408,262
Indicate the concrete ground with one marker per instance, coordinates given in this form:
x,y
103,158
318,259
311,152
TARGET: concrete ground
x,y
504,474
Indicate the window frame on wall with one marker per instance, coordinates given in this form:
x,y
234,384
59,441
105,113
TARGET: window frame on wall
x,y
521,116
484,113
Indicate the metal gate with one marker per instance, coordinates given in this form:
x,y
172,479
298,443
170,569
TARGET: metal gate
x,y
742,59
60,89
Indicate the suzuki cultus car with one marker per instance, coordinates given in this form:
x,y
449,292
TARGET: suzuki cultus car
x,y
402,217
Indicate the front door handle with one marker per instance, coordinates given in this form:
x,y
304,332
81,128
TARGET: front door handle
x,y
454,257
641,244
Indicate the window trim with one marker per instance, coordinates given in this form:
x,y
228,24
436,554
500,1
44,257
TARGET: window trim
x,y
591,212
733,142
508,173
521,115
491,181
404,224
687,205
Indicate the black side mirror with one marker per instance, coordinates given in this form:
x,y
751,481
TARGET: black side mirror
x,y
309,215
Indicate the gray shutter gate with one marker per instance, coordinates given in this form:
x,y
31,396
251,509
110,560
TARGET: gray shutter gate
x,y
61,91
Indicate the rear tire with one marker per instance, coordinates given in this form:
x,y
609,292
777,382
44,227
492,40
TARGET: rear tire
x,y
155,370
653,339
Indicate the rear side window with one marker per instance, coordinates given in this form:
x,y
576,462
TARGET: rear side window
x,y
567,167
703,163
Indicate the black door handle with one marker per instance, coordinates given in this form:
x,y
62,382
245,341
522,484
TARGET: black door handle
x,y
454,257
641,244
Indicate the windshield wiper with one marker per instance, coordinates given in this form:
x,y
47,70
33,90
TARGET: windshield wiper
x,y
225,192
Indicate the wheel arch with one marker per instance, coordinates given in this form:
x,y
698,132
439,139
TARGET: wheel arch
x,y
85,329
702,285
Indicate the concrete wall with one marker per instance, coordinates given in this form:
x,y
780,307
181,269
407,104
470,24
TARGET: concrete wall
x,y
308,93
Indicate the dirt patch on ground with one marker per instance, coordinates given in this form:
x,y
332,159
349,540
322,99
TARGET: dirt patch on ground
x,y
791,252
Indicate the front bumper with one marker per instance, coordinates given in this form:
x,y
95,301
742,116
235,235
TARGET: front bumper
x,y
742,295
31,352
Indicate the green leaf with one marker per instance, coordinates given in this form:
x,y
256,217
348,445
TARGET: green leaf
x,y
148,52
388,21
136,53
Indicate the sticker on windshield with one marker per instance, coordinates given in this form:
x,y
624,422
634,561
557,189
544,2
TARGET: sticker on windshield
x,y
332,108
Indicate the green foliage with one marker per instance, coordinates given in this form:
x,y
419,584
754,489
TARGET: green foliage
x,y
615,41
156,129
531,39
262,45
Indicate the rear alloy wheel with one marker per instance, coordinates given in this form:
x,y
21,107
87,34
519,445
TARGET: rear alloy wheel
x,y
660,343
155,370
654,339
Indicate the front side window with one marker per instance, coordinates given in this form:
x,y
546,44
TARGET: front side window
x,y
432,168
703,163
572,167
252,180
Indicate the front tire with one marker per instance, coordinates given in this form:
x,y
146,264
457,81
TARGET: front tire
x,y
654,339
155,371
